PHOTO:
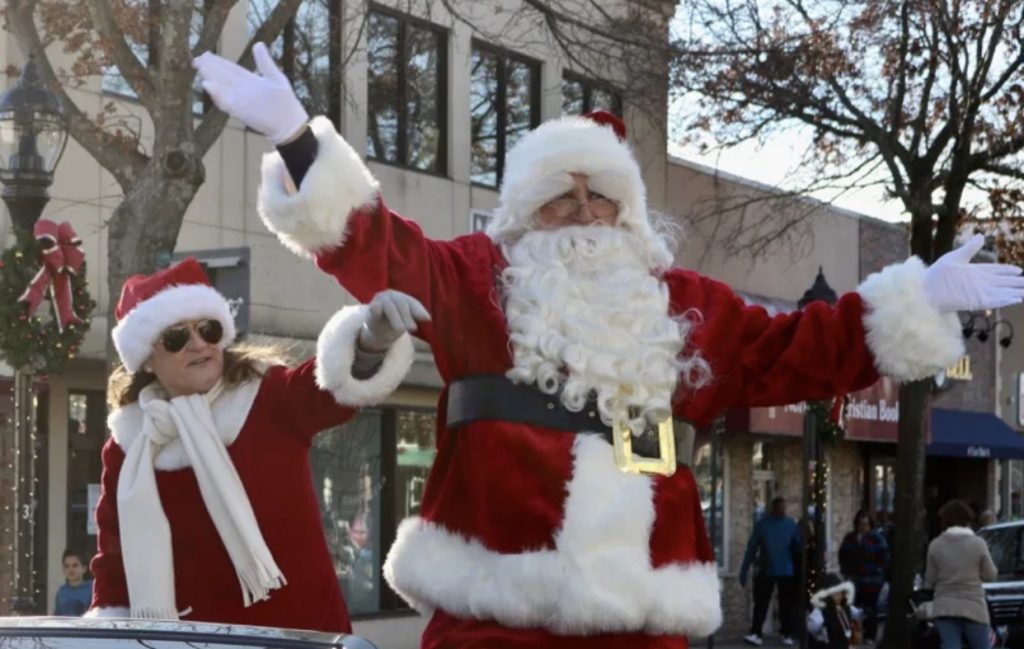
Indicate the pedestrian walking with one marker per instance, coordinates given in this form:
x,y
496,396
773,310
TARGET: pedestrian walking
x,y
958,562
864,560
774,545
832,622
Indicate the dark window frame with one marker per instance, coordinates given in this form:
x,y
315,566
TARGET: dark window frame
x,y
402,145
334,71
503,56
589,86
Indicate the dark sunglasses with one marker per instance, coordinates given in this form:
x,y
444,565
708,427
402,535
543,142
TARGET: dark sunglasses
x,y
174,339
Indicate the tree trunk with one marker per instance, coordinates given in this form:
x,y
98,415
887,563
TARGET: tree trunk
x,y
142,227
909,535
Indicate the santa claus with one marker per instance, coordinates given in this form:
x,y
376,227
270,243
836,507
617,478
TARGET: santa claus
x,y
562,324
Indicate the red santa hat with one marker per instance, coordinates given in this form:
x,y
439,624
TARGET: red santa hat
x,y
151,303
537,170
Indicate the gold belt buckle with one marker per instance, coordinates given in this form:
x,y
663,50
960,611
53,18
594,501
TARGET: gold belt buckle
x,y
664,464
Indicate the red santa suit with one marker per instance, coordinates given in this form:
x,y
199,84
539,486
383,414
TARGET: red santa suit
x,y
267,426
529,536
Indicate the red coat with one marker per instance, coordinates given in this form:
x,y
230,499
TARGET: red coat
x,y
268,427
530,537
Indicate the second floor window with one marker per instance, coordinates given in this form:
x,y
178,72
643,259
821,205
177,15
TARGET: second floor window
x,y
407,90
309,52
504,105
580,96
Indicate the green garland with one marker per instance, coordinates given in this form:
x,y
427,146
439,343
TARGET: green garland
x,y
829,432
37,344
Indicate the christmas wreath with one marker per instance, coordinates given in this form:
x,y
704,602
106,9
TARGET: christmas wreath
x,y
50,266
829,415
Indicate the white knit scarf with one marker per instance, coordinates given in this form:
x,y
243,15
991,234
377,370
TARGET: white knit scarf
x,y
145,532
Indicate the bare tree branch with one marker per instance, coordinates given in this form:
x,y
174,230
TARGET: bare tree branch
x,y
124,165
131,69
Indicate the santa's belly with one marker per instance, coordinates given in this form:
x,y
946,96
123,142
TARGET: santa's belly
x,y
538,529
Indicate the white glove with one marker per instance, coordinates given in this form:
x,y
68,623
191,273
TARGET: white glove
x,y
953,283
264,102
392,314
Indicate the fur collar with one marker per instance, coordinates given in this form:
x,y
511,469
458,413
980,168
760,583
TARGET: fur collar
x,y
958,530
819,598
230,411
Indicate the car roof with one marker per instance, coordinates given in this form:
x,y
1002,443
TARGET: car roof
x,y
1001,526
121,625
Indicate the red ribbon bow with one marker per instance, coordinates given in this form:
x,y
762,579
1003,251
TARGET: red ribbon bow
x,y
62,257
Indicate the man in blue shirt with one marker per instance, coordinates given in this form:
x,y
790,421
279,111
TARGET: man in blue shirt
x,y
74,597
774,543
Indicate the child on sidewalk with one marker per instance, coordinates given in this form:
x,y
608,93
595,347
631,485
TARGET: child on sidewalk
x,y
74,596
830,625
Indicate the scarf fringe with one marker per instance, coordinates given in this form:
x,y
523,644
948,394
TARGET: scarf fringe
x,y
257,582
154,613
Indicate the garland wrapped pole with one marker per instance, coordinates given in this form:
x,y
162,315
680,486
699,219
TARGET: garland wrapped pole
x,y
45,261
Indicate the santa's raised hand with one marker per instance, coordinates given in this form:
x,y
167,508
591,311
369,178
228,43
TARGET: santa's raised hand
x,y
263,100
953,283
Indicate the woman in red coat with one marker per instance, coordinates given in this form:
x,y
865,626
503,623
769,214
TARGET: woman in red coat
x,y
561,328
207,510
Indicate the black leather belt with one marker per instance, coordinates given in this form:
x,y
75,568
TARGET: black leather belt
x,y
495,397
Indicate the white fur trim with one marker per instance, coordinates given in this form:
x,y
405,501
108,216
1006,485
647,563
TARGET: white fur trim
x,y
314,217
538,166
135,334
335,352
909,338
109,612
230,410
958,530
598,579
846,587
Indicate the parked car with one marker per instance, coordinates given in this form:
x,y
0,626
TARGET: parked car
x,y
1005,595
91,633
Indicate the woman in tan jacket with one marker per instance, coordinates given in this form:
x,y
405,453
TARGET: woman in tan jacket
x,y
958,562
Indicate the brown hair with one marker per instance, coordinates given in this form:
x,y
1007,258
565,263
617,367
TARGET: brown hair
x,y
956,513
241,363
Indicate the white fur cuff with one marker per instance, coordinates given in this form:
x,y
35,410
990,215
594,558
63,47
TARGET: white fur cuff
x,y
313,218
335,352
909,338
109,611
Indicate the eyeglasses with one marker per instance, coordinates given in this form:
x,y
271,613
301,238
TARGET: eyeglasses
x,y
175,338
600,207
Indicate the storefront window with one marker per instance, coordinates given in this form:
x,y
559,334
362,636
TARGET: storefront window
x,y
86,434
883,489
763,479
709,472
346,465
369,476
415,455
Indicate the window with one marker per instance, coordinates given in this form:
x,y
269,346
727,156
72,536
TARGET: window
x,y
709,473
504,106
407,91
369,475
309,52
580,96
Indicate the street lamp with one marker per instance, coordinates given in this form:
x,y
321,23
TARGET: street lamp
x,y
813,455
32,139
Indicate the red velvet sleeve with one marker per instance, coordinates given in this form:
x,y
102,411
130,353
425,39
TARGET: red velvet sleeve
x,y
760,360
383,250
301,408
110,587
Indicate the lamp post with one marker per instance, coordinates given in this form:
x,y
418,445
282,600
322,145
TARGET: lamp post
x,y
32,139
813,460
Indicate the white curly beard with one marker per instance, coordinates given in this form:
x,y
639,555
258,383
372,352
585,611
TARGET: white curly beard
x,y
585,312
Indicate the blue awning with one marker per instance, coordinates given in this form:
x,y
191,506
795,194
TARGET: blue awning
x,y
958,433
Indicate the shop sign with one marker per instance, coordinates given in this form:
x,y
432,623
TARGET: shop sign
x,y
872,415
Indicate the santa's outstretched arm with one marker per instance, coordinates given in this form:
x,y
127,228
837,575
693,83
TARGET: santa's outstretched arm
x,y
318,196
900,322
